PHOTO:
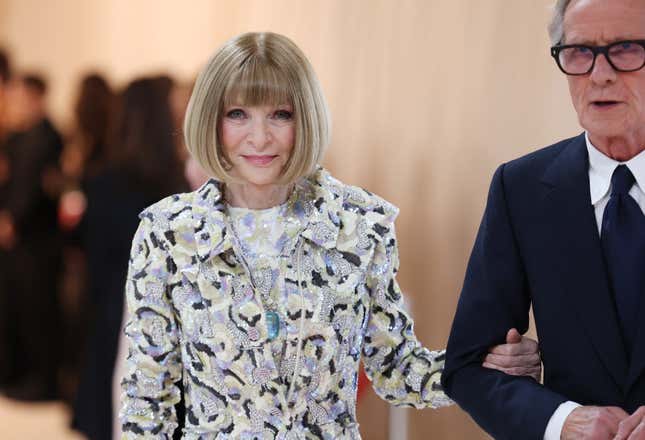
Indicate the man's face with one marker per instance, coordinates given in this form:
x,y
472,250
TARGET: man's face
x,y
24,106
16,108
609,103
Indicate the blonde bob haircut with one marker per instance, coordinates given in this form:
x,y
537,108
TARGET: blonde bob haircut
x,y
257,69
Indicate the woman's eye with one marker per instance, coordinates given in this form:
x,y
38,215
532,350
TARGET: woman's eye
x,y
235,114
285,115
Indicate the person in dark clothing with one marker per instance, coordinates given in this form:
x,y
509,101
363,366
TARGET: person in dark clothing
x,y
30,243
84,154
83,158
5,73
4,67
143,130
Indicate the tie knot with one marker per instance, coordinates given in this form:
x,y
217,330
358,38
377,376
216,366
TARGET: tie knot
x,y
622,180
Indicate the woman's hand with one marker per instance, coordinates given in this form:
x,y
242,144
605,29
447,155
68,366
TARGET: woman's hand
x,y
518,357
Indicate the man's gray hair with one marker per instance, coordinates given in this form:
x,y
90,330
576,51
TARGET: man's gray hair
x,y
556,32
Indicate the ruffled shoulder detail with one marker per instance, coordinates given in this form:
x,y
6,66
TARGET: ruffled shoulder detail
x,y
170,212
364,214
355,218
190,225
361,201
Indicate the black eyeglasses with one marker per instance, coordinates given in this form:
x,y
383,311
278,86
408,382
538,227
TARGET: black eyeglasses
x,y
579,59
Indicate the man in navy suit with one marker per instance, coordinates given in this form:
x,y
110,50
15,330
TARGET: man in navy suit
x,y
564,231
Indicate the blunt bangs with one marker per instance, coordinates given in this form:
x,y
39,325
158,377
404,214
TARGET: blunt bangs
x,y
258,82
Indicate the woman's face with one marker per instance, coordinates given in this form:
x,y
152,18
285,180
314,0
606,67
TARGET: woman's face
x,y
258,141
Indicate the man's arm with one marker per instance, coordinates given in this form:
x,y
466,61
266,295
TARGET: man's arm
x,y
495,297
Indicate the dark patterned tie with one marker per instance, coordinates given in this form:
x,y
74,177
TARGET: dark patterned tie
x,y
623,242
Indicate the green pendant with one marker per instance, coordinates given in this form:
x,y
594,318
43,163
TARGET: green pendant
x,y
273,324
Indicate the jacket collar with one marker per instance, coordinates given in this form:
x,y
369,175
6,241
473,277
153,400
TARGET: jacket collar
x,y
211,235
316,202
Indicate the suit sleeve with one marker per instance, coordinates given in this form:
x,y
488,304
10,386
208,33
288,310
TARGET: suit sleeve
x,y
153,365
402,371
495,298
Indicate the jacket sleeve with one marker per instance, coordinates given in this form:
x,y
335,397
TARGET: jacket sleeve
x,y
153,364
495,297
402,371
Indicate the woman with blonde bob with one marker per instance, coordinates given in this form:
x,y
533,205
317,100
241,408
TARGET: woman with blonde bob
x,y
262,290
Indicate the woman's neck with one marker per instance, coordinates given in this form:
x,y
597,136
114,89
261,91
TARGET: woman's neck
x,y
256,197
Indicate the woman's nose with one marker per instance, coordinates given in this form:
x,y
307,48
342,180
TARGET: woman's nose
x,y
259,134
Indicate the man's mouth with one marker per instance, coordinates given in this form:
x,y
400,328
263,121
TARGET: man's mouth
x,y
605,103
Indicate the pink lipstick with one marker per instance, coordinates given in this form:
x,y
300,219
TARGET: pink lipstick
x,y
259,161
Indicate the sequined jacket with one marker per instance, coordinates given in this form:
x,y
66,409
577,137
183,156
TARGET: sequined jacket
x,y
194,317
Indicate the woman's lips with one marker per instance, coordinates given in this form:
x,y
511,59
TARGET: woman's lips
x,y
259,161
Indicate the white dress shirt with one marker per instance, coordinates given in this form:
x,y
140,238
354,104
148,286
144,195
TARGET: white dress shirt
x,y
601,168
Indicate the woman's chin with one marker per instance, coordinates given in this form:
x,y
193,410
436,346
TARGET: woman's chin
x,y
261,178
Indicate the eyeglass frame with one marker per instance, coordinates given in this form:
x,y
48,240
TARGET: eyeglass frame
x,y
555,53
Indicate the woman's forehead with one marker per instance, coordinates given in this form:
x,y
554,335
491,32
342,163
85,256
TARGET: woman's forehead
x,y
257,95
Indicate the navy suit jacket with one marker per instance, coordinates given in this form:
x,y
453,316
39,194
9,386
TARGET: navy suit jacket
x,y
538,244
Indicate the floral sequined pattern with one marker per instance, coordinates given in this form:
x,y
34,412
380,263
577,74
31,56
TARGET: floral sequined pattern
x,y
195,316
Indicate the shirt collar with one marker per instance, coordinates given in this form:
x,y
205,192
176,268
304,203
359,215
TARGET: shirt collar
x,y
601,168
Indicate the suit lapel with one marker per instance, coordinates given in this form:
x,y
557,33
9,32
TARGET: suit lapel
x,y
579,258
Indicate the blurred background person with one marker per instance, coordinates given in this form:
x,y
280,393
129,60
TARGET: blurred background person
x,y
194,176
5,72
115,196
84,155
179,97
30,240
83,158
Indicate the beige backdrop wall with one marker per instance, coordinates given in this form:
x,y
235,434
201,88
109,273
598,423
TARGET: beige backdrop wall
x,y
427,97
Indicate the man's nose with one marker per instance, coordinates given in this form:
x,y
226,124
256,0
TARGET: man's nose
x,y
602,72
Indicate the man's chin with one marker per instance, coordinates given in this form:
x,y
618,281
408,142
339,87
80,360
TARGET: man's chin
x,y
606,128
